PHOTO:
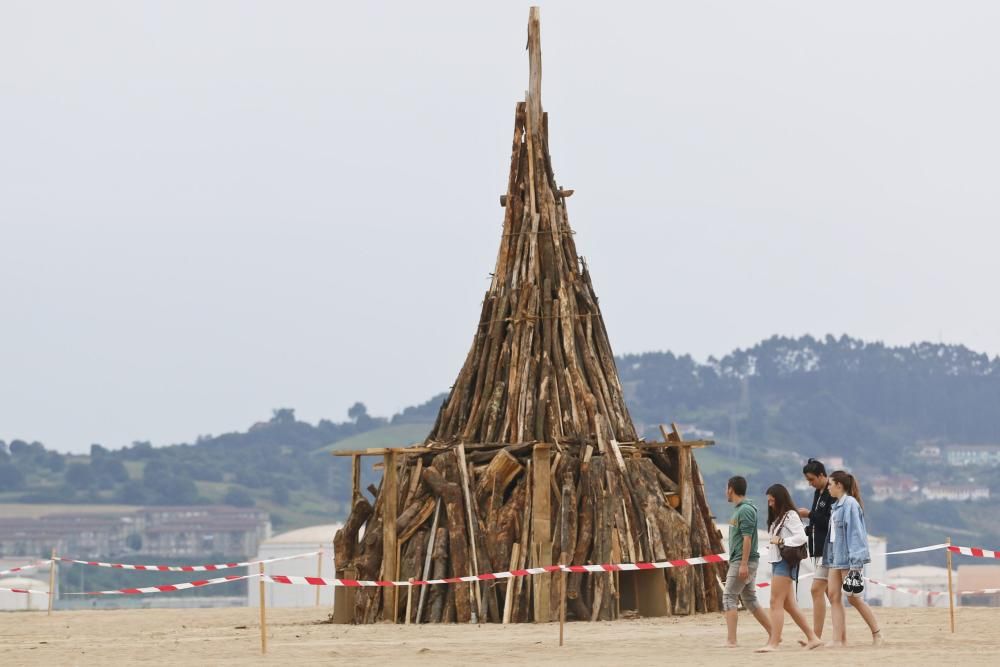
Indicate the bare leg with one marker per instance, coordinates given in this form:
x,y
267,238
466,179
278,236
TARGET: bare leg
x,y
731,618
837,616
869,616
792,607
818,591
763,619
780,587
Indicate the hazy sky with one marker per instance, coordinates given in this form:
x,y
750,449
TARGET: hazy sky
x,y
212,209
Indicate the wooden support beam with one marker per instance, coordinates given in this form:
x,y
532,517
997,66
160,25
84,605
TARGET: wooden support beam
x,y
685,481
541,529
390,506
382,451
534,106
691,444
463,467
355,478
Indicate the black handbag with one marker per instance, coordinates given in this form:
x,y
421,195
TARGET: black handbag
x,y
791,555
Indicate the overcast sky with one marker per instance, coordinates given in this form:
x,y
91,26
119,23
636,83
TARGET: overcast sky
x,y
212,209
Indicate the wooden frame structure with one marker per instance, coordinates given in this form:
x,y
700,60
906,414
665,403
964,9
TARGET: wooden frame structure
x,y
534,457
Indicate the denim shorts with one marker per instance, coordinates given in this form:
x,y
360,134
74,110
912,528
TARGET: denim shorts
x,y
783,569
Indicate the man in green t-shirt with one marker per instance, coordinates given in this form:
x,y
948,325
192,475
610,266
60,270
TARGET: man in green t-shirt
x,y
743,559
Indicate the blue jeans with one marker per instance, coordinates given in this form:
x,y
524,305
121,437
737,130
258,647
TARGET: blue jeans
x,y
783,569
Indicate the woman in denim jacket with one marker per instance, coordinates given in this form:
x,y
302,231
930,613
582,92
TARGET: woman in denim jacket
x,y
846,550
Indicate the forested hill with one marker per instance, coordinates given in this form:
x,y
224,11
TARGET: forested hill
x,y
838,396
830,395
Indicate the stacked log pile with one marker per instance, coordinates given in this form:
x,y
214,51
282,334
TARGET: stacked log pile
x,y
534,458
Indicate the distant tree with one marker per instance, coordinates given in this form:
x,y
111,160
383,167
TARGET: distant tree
x,y
141,449
283,416
55,461
10,477
357,411
174,490
97,451
79,476
279,494
111,469
133,493
238,497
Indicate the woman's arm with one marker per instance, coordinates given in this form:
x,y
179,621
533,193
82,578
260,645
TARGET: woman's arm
x,y
857,537
793,532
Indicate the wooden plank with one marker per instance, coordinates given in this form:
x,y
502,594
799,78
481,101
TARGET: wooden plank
x,y
463,468
508,605
694,444
427,559
535,68
390,506
541,529
382,451
355,478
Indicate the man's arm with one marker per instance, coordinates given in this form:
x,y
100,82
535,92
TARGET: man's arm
x,y
803,512
744,566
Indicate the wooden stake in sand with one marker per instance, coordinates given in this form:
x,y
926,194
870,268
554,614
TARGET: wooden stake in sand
x,y
52,581
263,618
409,601
951,593
563,559
319,570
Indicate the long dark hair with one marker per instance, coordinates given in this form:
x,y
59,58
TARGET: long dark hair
x,y
782,504
850,484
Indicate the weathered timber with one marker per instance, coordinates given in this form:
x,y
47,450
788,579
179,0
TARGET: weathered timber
x,y
533,457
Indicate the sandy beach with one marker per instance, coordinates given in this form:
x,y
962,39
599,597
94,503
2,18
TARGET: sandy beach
x,y
230,636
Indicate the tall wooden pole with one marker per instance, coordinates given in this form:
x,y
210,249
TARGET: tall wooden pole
x,y
263,616
52,580
541,529
563,560
951,592
409,601
390,549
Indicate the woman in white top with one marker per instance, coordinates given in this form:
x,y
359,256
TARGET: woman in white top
x,y
786,530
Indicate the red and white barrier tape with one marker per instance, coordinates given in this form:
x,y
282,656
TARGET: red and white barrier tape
x,y
902,589
167,588
919,591
933,547
492,576
22,568
24,590
353,583
185,568
974,551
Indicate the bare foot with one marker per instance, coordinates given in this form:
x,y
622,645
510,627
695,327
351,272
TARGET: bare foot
x,y
836,644
767,648
728,645
877,639
815,643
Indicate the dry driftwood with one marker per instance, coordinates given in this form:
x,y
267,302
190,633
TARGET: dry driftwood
x,y
539,377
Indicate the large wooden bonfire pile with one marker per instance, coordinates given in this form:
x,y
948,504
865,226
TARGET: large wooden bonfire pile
x,y
534,459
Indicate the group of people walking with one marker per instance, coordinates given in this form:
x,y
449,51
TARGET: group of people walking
x,y
836,539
